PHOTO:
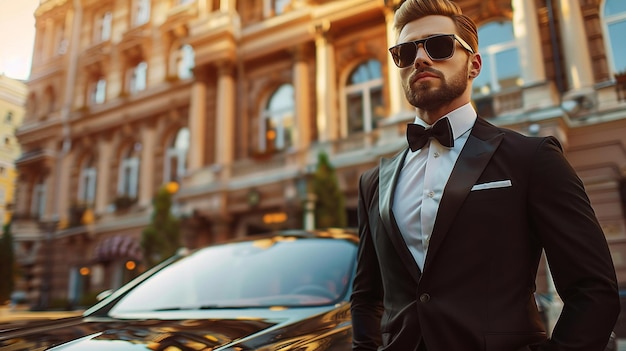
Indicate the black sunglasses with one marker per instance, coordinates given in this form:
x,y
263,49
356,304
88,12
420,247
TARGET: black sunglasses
x,y
438,47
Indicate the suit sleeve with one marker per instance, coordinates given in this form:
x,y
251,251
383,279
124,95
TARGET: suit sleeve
x,y
366,300
576,251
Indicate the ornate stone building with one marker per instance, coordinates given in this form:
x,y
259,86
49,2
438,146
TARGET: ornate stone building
x,y
233,100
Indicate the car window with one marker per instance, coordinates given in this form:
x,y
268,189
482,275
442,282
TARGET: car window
x,y
268,272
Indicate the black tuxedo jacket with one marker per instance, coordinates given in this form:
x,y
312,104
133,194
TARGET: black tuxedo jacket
x,y
476,289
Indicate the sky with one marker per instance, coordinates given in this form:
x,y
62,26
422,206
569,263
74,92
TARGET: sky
x,y
17,36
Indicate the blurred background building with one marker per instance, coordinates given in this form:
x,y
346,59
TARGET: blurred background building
x,y
233,101
13,94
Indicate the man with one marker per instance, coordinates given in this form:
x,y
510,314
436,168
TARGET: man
x,y
452,229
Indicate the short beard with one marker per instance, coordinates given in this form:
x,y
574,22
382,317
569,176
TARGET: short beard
x,y
425,98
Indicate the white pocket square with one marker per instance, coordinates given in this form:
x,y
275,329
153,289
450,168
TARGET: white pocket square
x,y
492,185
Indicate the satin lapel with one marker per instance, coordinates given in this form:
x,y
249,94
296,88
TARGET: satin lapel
x,y
478,150
388,173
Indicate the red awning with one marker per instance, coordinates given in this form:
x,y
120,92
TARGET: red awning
x,y
118,247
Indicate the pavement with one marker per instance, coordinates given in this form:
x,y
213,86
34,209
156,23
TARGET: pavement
x,y
17,313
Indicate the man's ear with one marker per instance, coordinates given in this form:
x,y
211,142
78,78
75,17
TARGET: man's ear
x,y
476,63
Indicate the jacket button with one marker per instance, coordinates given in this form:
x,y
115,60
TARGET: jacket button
x,y
424,298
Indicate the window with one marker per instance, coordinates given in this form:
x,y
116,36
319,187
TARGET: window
x,y
129,172
103,26
279,6
364,97
501,63
39,198
176,156
142,12
615,27
185,62
275,7
138,77
277,126
9,117
87,183
183,2
98,92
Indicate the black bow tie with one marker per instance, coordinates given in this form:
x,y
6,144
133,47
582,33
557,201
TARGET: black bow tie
x,y
418,136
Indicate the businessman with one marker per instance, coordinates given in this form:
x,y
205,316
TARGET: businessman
x,y
453,227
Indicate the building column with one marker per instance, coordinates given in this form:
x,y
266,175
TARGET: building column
x,y
397,102
228,5
526,29
48,43
105,154
62,190
146,171
51,186
204,7
225,120
302,98
197,121
578,66
326,91
537,91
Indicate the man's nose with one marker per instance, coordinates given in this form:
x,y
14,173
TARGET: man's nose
x,y
421,57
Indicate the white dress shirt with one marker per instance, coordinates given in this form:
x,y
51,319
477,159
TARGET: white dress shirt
x,y
422,180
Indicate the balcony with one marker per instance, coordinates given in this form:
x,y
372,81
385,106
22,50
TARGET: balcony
x,y
499,103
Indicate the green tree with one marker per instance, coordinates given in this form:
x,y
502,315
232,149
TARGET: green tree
x,y
7,264
330,209
161,238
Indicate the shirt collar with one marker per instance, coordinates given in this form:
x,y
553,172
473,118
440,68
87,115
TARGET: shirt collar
x,y
461,120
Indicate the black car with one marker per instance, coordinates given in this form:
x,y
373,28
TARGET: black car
x,y
282,291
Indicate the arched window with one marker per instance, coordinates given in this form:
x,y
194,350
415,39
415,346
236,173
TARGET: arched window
x,y
129,171
138,77
38,204
98,91
183,2
501,61
49,101
276,7
277,122
31,106
615,27
87,182
185,61
102,25
364,97
141,12
176,156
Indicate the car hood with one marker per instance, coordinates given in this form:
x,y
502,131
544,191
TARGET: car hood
x,y
170,332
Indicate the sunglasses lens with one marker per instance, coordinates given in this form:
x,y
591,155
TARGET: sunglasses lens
x,y
404,54
440,48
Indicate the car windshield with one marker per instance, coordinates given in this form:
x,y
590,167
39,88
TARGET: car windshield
x,y
284,271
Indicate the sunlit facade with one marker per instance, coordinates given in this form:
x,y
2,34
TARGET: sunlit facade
x,y
233,100
12,97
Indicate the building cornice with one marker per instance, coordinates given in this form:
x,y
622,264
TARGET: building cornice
x,y
47,5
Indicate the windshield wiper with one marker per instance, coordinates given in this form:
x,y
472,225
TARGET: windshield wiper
x,y
203,307
223,307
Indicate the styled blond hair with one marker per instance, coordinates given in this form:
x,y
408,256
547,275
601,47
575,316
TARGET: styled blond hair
x,y
411,10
